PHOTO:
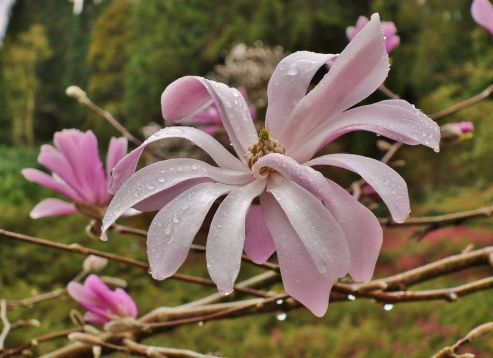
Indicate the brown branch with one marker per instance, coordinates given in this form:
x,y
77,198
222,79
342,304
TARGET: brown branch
x,y
29,302
387,92
36,341
477,333
85,251
440,220
463,104
5,323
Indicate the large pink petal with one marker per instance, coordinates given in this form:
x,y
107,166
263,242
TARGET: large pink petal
x,y
96,319
81,294
43,179
174,227
385,180
227,235
160,176
361,228
289,84
126,167
126,305
482,13
356,73
363,231
395,119
317,228
52,207
189,95
300,277
116,151
159,200
258,240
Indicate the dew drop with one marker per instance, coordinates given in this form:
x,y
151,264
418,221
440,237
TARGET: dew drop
x,y
388,307
351,297
281,316
162,180
293,71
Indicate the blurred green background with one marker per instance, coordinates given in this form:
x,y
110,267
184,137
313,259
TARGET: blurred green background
x,y
124,53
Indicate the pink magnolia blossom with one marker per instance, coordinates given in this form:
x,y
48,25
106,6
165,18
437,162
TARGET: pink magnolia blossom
x,y
77,173
102,304
209,120
388,28
482,13
319,231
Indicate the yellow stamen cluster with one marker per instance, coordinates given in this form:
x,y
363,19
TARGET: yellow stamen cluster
x,y
264,146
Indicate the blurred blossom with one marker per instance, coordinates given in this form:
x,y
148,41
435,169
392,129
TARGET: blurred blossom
x,y
298,205
79,5
94,263
102,304
482,13
457,132
77,174
209,120
388,28
5,8
367,190
249,68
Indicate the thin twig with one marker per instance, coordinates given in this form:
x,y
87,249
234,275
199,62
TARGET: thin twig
x,y
463,104
475,334
439,220
82,250
387,92
5,322
152,351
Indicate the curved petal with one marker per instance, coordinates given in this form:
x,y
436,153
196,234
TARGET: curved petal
x,y
385,180
300,277
126,167
116,151
161,199
227,235
356,73
161,176
52,207
53,160
482,13
289,84
395,119
258,240
364,234
361,228
318,230
191,94
173,229
95,318
126,306
43,179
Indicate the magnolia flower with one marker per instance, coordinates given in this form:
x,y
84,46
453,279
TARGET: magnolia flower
x,y
77,174
102,304
457,132
482,13
209,120
388,28
319,231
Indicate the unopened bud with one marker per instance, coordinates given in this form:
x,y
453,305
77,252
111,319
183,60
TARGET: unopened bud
x,y
456,132
94,263
85,338
121,325
77,93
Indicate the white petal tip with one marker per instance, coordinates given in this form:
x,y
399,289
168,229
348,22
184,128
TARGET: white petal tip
x,y
225,292
104,235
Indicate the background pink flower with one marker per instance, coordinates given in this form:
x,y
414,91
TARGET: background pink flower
x,y
392,40
482,13
77,173
102,304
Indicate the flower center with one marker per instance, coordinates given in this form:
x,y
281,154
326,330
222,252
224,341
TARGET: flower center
x,y
264,146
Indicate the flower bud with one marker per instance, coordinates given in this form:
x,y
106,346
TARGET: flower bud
x,y
85,338
94,263
457,132
77,93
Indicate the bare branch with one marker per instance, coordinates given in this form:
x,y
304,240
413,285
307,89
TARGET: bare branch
x,y
477,333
